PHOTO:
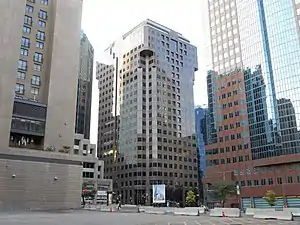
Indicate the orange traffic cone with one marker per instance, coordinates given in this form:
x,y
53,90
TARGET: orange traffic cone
x,y
223,214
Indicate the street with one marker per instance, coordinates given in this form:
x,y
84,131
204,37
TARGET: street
x,y
83,217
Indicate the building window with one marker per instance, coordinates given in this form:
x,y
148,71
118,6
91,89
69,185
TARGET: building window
x,y
28,20
279,180
290,180
43,14
40,35
24,51
29,8
19,89
37,67
25,42
270,181
34,91
44,2
36,80
22,65
42,23
26,30
39,45
21,75
38,57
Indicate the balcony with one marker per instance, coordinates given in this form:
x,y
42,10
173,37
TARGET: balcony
x,y
27,126
26,141
146,52
28,118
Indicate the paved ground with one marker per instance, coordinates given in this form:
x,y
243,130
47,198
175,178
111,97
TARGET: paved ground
x,y
100,218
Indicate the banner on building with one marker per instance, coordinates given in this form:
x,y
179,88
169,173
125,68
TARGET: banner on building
x,y
159,193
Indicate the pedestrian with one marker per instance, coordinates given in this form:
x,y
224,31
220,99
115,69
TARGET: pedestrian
x,y
119,206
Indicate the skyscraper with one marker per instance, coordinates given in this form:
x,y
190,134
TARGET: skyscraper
x,y
85,86
39,42
253,94
201,131
146,112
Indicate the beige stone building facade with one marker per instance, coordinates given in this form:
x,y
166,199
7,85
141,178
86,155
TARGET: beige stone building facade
x,y
39,41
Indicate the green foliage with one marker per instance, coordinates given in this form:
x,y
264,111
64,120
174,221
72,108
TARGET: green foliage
x,y
190,199
223,189
270,197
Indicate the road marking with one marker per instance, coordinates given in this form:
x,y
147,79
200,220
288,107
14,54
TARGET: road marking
x,y
197,223
184,223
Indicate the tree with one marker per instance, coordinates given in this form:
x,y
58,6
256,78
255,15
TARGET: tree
x,y
190,198
222,190
270,197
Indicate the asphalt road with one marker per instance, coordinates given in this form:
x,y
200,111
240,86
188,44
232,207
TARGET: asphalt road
x,y
100,218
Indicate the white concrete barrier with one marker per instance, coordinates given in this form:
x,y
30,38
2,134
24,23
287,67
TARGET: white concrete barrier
x,y
129,209
276,215
251,211
188,211
294,211
154,210
143,208
201,210
225,212
107,209
284,215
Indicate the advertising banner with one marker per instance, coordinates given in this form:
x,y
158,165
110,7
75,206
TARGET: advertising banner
x,y
159,193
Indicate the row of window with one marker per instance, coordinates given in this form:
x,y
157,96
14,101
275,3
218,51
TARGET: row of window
x,y
40,36
38,57
216,151
35,80
157,173
269,181
152,182
27,30
232,137
29,21
20,89
216,162
167,39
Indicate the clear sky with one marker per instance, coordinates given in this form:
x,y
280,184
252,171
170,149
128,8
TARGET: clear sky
x,y
105,20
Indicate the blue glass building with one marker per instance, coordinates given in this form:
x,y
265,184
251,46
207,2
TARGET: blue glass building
x,y
261,38
200,117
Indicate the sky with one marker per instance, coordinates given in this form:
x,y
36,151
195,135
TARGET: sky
x,y
104,21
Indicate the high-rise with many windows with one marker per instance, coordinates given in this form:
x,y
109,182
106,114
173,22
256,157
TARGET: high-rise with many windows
x,y
85,86
39,61
253,97
146,112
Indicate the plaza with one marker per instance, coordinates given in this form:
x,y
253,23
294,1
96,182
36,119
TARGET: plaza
x,y
81,217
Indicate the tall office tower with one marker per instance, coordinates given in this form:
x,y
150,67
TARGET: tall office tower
x,y
146,112
253,94
39,42
201,133
85,87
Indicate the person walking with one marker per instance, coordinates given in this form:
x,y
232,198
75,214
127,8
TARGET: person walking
x,y
119,205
